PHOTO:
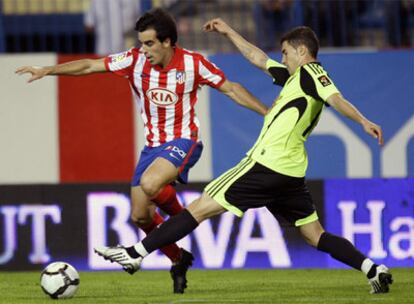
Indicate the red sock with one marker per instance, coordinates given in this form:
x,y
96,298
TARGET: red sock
x,y
167,201
172,251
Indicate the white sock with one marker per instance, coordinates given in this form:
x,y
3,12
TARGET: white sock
x,y
141,249
366,265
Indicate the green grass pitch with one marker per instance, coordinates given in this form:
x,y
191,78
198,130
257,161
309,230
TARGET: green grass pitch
x,y
216,286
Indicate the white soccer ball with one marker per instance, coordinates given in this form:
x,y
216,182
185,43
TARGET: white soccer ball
x,y
59,280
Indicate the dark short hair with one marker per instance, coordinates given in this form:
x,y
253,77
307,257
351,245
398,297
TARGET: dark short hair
x,y
302,35
161,21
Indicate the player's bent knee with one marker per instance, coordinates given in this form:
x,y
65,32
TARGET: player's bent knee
x,y
311,232
204,208
150,186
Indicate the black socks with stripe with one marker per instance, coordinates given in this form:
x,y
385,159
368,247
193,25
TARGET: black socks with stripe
x,y
341,249
170,231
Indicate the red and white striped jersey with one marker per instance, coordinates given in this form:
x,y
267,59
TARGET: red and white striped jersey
x,y
167,96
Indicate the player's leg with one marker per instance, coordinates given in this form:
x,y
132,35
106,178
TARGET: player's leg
x,y
339,248
153,174
142,208
156,177
180,258
172,230
145,217
143,212
156,185
158,174
212,202
183,154
294,204
180,225
167,200
173,161
242,187
227,192
344,251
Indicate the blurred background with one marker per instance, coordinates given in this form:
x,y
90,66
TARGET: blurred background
x,y
72,26
68,145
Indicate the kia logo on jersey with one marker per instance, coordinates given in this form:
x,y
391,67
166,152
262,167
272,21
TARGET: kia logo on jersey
x,y
162,97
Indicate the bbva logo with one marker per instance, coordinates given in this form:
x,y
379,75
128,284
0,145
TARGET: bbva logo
x,y
162,97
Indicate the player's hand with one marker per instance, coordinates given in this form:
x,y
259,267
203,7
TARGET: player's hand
x,y
36,72
217,25
374,130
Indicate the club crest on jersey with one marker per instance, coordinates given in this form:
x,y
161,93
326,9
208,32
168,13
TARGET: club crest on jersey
x,y
119,57
180,77
162,97
324,80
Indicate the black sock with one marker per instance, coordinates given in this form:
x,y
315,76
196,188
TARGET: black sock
x,y
132,252
341,249
372,272
170,231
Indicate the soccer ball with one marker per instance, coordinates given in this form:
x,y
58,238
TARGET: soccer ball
x,y
59,280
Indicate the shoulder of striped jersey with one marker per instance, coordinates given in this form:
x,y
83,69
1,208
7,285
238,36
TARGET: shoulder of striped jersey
x,y
196,55
314,68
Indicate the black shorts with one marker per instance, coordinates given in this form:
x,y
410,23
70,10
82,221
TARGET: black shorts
x,y
252,185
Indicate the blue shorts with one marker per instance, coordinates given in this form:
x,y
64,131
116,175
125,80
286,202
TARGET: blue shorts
x,y
182,153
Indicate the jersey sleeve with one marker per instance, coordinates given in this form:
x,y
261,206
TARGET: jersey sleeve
x,y
278,71
315,82
209,73
121,64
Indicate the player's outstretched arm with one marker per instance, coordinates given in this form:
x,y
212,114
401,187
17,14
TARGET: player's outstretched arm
x,y
243,97
73,68
252,53
347,109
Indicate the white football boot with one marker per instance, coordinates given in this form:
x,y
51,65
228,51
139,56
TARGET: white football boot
x,y
119,255
380,283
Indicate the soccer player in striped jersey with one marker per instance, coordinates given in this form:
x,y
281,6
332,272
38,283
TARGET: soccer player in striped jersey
x,y
272,174
165,79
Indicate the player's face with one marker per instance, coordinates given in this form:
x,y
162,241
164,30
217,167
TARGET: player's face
x,y
157,52
290,57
